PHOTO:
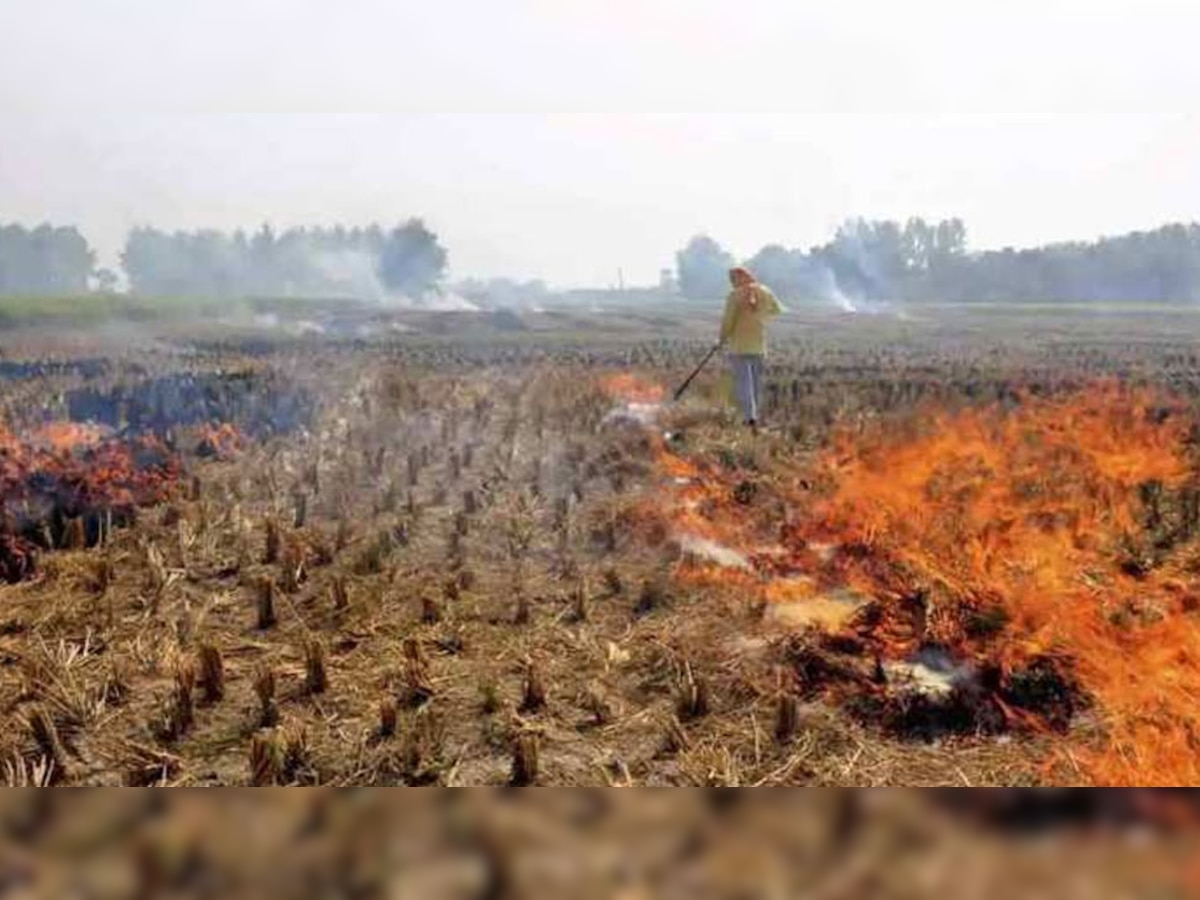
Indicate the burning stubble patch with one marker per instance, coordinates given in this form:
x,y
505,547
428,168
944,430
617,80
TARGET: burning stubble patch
x,y
1046,688
71,488
913,714
816,668
931,696
1053,525
983,622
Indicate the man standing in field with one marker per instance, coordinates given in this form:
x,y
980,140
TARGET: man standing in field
x,y
743,333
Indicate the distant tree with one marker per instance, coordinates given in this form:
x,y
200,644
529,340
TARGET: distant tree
x,y
949,243
703,267
787,272
303,262
870,256
64,259
916,244
156,263
44,261
262,274
412,262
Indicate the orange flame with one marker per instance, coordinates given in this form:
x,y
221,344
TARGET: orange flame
x,y
1031,510
1078,517
632,389
67,436
74,469
222,441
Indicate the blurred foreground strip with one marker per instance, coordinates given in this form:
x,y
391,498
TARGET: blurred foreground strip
x,y
590,843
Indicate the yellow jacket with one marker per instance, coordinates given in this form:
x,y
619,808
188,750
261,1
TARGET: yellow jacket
x,y
746,312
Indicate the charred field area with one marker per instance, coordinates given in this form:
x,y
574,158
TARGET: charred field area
x,y
964,552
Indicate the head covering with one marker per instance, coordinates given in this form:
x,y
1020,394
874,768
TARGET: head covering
x,y
744,282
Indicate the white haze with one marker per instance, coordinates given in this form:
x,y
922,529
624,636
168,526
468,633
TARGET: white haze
x,y
354,268
1032,121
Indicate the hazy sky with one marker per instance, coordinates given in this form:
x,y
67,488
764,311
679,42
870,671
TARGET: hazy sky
x,y
564,139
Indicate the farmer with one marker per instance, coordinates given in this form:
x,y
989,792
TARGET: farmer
x,y
743,333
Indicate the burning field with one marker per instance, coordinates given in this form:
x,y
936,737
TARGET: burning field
x,y
68,482
64,484
1021,569
448,563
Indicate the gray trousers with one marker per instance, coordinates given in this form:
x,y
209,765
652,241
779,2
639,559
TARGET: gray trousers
x,y
747,382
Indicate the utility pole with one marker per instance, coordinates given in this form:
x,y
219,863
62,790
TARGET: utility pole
x,y
620,279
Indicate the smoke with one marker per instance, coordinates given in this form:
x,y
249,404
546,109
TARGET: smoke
x,y
357,271
366,264
503,293
439,301
827,289
856,277
850,274
710,550
632,413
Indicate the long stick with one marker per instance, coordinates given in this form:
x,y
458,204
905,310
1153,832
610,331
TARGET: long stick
x,y
683,387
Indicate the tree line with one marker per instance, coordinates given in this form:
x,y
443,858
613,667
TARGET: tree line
x,y
863,261
336,261
299,262
888,261
44,260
